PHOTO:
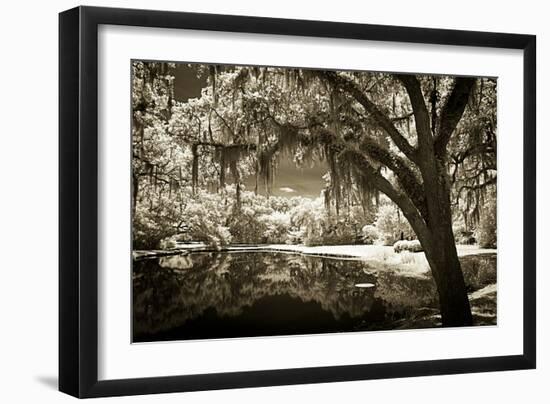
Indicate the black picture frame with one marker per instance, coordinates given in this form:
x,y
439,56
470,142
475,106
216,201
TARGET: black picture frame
x,y
78,201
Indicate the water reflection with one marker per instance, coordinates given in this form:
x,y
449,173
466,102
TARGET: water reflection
x,y
221,295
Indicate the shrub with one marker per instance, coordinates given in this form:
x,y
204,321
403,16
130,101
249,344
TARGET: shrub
x,y
479,270
167,243
462,235
246,227
339,232
277,227
295,236
205,218
392,225
370,234
406,245
150,227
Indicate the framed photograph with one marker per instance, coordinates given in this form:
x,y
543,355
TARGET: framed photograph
x,y
251,201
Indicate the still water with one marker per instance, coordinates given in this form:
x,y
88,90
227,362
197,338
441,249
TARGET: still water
x,y
224,295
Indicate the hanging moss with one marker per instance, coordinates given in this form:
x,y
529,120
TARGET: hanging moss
x,y
265,169
241,78
256,173
194,168
347,185
286,73
335,103
331,159
326,199
237,206
228,157
366,192
213,74
234,171
222,168
237,85
288,139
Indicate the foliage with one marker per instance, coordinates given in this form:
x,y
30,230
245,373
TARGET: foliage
x,y
320,227
190,157
370,234
472,155
392,226
407,245
205,219
277,227
486,232
479,270
168,243
150,226
462,234
339,232
246,227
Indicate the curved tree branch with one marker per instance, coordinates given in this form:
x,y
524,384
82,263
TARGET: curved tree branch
x,y
370,149
452,112
379,117
405,176
399,198
421,115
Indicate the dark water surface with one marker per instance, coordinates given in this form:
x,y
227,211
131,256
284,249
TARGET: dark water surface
x,y
224,295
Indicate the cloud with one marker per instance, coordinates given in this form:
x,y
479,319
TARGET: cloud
x,y
287,189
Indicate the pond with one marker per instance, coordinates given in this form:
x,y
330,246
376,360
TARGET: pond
x,y
247,294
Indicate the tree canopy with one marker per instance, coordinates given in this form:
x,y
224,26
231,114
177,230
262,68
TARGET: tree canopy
x,y
361,124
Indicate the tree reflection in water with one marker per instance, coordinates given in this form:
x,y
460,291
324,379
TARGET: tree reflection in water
x,y
221,295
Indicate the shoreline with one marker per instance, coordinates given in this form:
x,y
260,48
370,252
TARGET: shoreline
x,y
359,252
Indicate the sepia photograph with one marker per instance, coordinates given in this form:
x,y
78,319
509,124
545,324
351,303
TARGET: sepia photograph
x,y
272,201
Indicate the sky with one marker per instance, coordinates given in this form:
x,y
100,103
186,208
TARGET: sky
x,y
288,180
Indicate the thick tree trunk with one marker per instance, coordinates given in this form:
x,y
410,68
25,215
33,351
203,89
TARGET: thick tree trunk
x,y
440,250
453,297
